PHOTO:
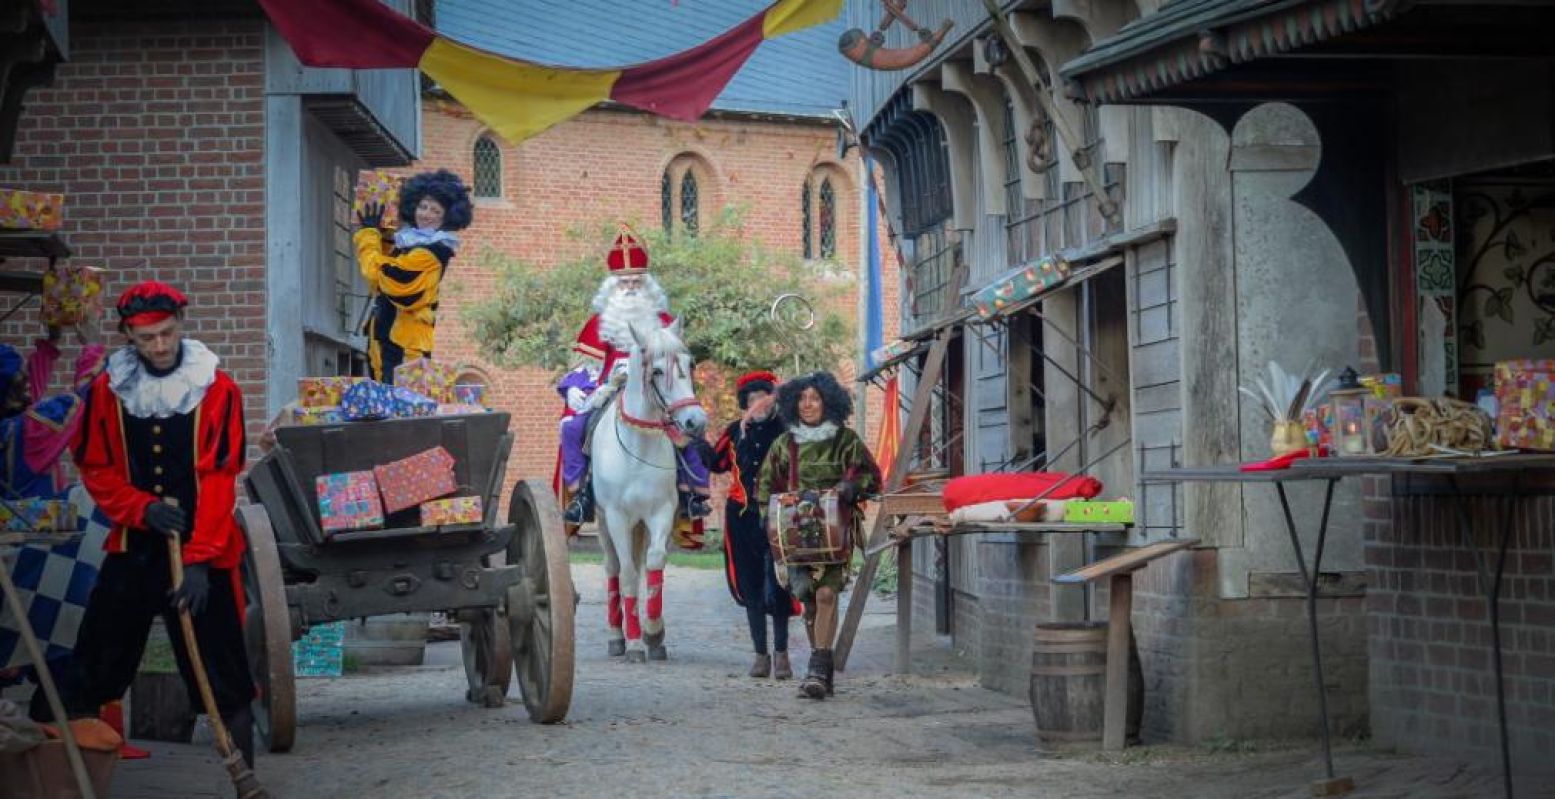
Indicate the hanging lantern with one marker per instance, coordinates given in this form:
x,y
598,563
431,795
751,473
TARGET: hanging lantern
x,y
1349,403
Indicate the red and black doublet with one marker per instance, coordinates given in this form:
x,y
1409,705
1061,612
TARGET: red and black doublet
x,y
138,445
748,562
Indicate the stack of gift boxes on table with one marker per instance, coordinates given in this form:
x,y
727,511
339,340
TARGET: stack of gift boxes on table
x,y
421,388
363,500
37,515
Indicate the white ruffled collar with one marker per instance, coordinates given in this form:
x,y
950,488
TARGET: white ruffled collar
x,y
407,237
807,434
149,396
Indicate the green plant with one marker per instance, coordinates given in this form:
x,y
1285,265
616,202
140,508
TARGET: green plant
x,y
721,284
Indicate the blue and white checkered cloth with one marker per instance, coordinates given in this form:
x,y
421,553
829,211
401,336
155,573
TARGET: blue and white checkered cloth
x,y
54,583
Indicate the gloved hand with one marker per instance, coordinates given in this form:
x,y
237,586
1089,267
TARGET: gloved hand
x,y
618,374
196,589
577,400
169,520
847,492
371,216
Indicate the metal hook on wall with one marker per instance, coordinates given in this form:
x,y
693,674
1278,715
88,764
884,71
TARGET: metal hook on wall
x,y
804,320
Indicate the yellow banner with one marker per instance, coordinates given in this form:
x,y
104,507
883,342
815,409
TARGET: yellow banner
x,y
516,99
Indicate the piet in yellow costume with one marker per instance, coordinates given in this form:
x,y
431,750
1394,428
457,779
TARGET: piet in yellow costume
x,y
404,273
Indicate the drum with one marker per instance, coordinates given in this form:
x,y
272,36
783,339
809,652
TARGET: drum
x,y
809,528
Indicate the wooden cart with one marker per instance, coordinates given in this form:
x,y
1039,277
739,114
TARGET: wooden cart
x,y
508,583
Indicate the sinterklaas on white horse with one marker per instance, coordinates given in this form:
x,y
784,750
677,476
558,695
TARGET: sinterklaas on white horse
x,y
633,454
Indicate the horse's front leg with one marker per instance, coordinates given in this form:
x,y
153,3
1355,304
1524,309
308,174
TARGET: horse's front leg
x,y
660,526
613,616
620,527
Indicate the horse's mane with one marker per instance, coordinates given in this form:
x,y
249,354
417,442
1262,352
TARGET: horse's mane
x,y
657,340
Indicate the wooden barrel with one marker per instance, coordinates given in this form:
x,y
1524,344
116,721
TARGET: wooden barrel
x,y
388,640
1069,682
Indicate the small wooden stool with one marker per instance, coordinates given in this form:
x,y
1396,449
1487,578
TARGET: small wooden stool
x,y
1120,625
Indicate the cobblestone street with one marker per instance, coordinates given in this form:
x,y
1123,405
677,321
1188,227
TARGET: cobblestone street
x,y
697,726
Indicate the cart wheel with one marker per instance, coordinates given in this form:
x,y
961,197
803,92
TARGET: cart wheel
x,y
540,606
267,632
488,655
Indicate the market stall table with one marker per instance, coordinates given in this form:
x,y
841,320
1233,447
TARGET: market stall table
x,y
9,542
1331,471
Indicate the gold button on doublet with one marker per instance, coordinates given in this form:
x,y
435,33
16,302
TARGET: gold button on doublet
x,y
157,448
156,470
157,489
156,429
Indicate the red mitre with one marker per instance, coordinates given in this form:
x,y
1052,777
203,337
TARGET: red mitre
x,y
148,303
755,377
627,255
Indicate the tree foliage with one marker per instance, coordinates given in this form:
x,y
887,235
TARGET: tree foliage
x,y
720,283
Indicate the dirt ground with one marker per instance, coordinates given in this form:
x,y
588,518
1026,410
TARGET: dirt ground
x,y
696,726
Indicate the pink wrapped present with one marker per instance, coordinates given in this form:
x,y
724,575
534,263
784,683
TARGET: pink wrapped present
x,y
348,501
470,394
428,378
452,510
408,482
1525,396
324,392
380,188
30,210
72,295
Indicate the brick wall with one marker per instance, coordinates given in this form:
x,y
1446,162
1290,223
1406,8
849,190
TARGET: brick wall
x,y
606,165
155,131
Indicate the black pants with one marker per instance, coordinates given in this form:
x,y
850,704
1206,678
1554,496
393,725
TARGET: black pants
x,y
132,590
756,580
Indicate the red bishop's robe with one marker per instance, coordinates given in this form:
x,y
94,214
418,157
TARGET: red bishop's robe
x,y
599,352
219,450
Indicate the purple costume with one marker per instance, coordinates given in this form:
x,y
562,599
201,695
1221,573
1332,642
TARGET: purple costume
x,y
691,473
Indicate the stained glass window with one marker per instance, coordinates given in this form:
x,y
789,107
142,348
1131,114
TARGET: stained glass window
x,y
666,204
488,168
688,202
806,222
828,221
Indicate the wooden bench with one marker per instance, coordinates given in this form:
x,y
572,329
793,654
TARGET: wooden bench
x,y
1120,568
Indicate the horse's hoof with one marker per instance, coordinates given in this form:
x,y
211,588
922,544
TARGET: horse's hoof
x,y
617,648
652,640
636,656
658,653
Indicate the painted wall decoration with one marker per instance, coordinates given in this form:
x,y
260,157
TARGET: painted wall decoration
x,y
1506,275
1435,288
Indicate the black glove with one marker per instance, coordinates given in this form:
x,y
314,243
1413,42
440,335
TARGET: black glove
x,y
169,520
195,590
847,492
371,216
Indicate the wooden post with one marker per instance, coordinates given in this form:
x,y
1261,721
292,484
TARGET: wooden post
x,y
1115,706
904,607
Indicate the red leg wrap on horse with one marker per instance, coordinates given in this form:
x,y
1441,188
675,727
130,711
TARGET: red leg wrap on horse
x,y
634,629
655,594
613,601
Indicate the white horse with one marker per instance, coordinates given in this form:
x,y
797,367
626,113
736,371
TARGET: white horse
x,y
633,460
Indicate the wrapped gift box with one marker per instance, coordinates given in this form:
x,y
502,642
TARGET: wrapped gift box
x,y
324,392
72,295
409,404
470,394
453,510
1089,511
408,482
348,501
30,210
308,417
459,409
367,401
1525,395
374,186
38,515
1025,284
428,378
321,651
893,350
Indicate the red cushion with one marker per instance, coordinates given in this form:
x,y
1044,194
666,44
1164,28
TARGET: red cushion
x,y
975,488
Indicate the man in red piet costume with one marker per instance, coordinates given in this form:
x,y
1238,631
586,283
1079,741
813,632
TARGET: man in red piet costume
x,y
160,448
629,293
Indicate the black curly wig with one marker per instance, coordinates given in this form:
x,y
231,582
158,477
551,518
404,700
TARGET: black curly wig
x,y
447,189
839,405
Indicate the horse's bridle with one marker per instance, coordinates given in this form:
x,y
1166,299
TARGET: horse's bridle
x,y
666,422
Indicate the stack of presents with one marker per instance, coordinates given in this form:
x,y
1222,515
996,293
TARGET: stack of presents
x,y
352,501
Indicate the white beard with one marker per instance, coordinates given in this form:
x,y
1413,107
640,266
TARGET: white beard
x,y
620,311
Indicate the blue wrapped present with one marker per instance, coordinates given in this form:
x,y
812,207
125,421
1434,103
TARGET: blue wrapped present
x,y
408,404
367,401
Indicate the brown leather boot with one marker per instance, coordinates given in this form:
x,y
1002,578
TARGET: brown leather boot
x,y
818,676
781,668
762,667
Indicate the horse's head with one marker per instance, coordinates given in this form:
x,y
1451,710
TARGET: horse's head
x,y
664,365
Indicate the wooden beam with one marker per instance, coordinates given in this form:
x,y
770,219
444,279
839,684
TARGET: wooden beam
x,y
1114,728
933,364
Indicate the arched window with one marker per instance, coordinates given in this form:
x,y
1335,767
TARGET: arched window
x,y
806,221
688,202
828,221
666,204
488,168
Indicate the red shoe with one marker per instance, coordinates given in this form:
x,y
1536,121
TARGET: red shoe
x,y
112,714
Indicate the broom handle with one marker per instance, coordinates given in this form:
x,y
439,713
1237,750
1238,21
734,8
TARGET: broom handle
x,y
46,685
196,662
